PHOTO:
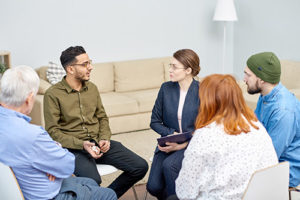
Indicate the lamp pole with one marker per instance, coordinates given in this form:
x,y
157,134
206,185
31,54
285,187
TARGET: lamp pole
x,y
224,48
225,11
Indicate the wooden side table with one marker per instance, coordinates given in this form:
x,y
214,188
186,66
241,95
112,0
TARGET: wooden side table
x,y
5,58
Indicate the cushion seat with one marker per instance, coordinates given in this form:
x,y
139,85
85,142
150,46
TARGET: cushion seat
x,y
116,104
144,98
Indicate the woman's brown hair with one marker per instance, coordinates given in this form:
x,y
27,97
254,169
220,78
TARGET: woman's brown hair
x,y
189,59
222,101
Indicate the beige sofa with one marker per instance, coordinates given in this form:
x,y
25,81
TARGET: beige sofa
x,y
290,71
128,90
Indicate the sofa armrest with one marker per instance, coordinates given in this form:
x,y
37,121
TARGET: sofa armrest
x,y
41,71
44,85
37,113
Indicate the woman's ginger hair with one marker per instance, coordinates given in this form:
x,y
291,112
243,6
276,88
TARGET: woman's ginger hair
x,y
222,101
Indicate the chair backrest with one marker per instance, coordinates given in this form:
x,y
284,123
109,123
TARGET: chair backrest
x,y
9,187
270,183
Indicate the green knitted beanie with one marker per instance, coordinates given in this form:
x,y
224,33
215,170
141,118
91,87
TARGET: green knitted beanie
x,y
266,66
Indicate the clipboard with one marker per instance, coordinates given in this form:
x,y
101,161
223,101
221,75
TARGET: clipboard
x,y
178,138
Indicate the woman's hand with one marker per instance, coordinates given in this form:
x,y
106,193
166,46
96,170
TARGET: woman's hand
x,y
172,147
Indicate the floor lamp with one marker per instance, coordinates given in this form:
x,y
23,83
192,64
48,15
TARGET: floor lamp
x,y
225,11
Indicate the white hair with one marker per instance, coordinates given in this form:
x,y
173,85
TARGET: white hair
x,y
17,84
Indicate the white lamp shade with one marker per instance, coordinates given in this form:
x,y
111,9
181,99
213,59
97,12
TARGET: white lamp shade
x,y
225,11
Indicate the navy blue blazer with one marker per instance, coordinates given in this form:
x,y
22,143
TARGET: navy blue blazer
x,y
164,119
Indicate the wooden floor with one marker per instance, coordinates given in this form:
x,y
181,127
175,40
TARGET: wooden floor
x,y
140,190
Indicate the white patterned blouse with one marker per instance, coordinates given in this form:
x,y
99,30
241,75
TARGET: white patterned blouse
x,y
218,166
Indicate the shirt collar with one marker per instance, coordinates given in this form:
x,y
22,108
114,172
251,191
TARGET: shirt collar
x,y
9,112
69,89
273,92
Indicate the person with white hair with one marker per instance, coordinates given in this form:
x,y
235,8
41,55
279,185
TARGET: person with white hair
x,y
43,169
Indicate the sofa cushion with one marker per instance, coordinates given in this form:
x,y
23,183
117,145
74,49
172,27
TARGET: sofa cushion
x,y
145,98
289,74
138,75
166,68
102,76
117,104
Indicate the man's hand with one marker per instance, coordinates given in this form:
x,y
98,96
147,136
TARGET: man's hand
x,y
104,145
51,177
88,146
172,147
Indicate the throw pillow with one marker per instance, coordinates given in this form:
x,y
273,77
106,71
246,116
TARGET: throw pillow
x,y
55,73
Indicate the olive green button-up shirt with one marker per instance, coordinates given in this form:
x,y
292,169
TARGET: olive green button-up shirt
x,y
72,117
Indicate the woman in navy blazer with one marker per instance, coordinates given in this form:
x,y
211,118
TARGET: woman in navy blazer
x,y
175,111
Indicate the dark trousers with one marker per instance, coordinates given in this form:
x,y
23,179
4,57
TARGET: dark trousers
x,y
133,166
164,171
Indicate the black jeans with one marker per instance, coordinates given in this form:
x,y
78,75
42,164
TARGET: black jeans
x,y
133,166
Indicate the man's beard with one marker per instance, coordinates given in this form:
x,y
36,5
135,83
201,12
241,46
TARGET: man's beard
x,y
81,77
255,90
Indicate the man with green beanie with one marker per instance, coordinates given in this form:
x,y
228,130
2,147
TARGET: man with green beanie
x,y
277,109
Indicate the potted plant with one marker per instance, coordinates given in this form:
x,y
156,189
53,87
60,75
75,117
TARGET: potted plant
x,y
2,69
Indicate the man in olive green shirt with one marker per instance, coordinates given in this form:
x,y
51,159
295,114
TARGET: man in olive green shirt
x,y
75,117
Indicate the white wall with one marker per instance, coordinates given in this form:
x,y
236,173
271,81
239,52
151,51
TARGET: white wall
x,y
266,25
36,31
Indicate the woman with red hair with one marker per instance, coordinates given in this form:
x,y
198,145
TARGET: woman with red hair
x,y
229,145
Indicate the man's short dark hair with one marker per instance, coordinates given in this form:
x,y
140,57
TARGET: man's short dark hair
x,y
68,56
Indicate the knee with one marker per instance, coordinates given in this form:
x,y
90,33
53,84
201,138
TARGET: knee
x,y
171,166
154,189
104,194
143,166
98,180
140,168
110,194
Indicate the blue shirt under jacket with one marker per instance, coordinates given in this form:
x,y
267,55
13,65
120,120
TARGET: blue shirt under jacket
x,y
164,119
31,153
279,112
